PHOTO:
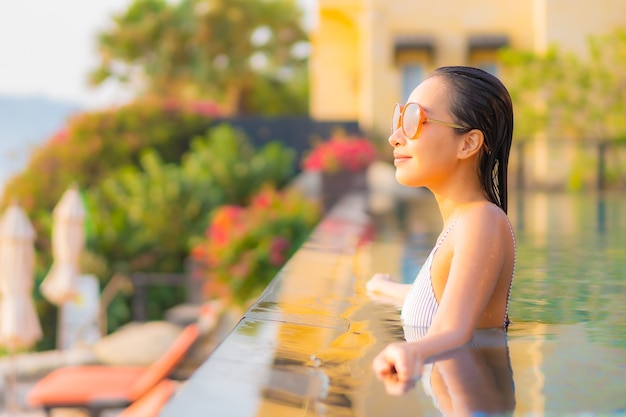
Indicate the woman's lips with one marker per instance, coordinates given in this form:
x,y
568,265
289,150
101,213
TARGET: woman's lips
x,y
399,159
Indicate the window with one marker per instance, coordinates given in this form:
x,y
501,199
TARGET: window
x,y
412,75
413,55
485,60
483,51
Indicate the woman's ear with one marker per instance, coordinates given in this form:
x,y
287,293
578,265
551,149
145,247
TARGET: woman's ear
x,y
472,143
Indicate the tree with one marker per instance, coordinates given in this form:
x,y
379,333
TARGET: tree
x,y
95,145
568,97
232,51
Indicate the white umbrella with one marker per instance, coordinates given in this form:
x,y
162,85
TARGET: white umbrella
x,y
19,324
68,241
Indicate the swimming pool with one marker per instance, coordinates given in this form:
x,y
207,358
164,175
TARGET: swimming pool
x,y
567,340
306,346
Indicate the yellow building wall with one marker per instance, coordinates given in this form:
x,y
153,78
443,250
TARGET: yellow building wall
x,y
355,70
449,23
335,69
570,23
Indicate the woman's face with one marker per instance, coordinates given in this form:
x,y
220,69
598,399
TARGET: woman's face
x,y
430,158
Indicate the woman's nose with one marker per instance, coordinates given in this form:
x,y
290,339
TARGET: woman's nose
x,y
395,139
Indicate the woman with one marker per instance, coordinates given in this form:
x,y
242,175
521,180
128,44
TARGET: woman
x,y
453,136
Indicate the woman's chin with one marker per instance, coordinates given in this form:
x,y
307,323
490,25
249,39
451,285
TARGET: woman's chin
x,y
408,181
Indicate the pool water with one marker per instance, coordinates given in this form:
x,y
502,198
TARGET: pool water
x,y
567,340
305,347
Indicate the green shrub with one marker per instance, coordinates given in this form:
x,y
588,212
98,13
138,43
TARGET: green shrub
x,y
146,218
246,246
95,145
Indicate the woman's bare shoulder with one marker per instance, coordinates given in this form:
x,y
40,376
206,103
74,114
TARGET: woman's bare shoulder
x,y
484,220
484,211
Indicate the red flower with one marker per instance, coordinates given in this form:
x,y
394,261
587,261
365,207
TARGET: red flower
x,y
198,252
341,153
245,246
225,220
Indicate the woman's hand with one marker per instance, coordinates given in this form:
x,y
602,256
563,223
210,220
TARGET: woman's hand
x,y
394,387
378,282
400,362
382,288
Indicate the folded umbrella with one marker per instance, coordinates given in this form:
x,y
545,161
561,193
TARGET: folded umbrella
x,y
68,241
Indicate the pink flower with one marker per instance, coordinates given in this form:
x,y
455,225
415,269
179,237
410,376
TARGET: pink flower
x,y
60,137
278,248
199,107
263,199
205,108
341,153
245,246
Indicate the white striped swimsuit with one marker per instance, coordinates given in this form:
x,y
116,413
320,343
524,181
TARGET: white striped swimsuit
x,y
420,304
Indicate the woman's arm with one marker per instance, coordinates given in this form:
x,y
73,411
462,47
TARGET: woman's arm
x,y
469,380
385,285
477,260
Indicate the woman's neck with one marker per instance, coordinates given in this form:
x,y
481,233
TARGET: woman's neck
x,y
451,205
461,188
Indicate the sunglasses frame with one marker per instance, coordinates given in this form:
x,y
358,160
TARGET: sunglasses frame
x,y
422,120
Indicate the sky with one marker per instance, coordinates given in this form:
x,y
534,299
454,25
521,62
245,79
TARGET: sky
x,y
47,48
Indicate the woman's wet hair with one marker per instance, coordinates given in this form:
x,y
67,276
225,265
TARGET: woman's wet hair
x,y
480,100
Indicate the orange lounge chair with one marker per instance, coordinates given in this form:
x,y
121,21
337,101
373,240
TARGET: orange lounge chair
x,y
152,402
96,388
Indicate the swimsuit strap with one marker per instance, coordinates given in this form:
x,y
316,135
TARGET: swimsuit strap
x,y
507,321
445,234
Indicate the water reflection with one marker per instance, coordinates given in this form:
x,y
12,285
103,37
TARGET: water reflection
x,y
601,213
571,258
475,379
294,386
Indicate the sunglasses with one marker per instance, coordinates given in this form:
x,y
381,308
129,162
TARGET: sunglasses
x,y
411,117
